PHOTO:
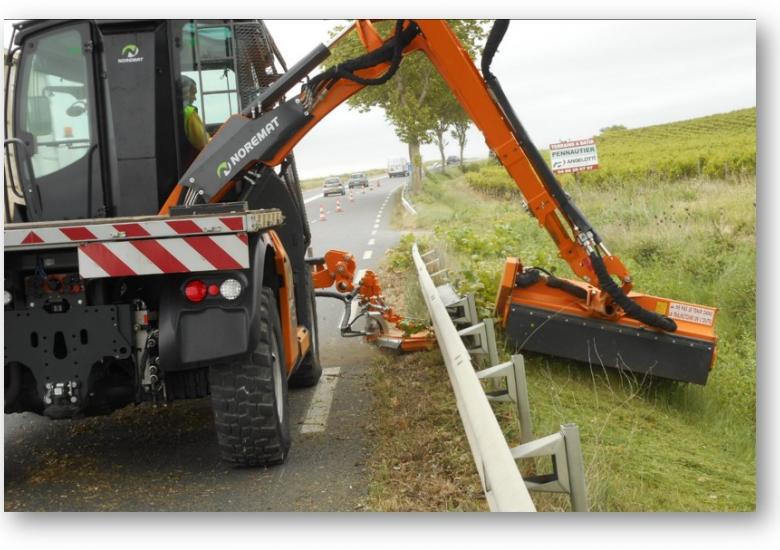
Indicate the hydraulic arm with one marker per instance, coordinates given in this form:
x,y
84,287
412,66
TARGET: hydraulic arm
x,y
597,319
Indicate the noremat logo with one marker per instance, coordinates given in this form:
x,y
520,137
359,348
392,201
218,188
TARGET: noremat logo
x,y
226,166
130,54
223,169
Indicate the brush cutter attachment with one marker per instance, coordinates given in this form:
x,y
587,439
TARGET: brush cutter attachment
x,y
574,320
363,300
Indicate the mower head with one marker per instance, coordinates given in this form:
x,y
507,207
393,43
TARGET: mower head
x,y
545,314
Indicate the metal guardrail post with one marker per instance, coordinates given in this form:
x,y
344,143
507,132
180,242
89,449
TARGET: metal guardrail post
x,y
577,490
516,391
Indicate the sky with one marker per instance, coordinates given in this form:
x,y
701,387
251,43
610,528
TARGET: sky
x,y
565,78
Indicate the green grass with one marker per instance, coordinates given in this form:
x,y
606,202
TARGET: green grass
x,y
649,446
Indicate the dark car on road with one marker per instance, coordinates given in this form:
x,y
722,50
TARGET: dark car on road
x,y
333,186
452,159
357,179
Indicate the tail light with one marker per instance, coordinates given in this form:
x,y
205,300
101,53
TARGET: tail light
x,y
195,291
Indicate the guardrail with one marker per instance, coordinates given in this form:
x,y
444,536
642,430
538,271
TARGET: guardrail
x,y
504,487
407,205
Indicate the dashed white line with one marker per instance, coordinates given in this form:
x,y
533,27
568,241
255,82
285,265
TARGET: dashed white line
x,y
314,198
367,254
373,232
371,242
317,416
376,226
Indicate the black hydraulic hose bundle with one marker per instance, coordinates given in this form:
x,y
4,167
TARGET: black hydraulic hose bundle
x,y
629,306
391,51
575,217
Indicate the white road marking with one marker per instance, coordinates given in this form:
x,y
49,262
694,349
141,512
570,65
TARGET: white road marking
x,y
371,242
376,226
317,416
314,198
373,232
358,276
367,254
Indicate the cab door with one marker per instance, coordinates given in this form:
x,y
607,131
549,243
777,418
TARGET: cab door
x,y
56,116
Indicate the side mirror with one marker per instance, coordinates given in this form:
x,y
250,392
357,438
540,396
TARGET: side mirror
x,y
78,108
39,116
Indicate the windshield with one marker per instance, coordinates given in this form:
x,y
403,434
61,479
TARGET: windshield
x,y
332,181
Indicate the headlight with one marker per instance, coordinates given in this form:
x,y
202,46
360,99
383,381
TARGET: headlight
x,y
7,298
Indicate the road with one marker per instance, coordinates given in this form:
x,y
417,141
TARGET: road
x,y
142,458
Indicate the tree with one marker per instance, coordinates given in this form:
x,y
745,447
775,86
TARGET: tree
x,y
459,128
437,136
416,98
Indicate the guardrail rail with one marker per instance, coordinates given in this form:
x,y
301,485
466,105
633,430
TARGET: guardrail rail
x,y
460,335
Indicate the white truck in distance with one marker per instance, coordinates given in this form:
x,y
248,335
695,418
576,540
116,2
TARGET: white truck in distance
x,y
397,167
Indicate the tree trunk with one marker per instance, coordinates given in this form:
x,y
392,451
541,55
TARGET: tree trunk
x,y
415,179
462,144
440,143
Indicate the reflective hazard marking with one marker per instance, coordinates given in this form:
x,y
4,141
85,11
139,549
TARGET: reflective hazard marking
x,y
693,314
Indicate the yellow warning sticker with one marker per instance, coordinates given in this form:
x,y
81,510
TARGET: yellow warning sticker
x,y
661,307
694,314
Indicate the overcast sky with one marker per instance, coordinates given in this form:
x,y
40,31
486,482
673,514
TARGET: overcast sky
x,y
566,80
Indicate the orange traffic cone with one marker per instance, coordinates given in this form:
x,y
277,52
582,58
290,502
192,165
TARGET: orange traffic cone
x,y
338,205
322,213
378,183
363,190
351,196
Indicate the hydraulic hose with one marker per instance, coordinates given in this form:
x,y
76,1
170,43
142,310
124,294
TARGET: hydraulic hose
x,y
391,51
575,217
629,306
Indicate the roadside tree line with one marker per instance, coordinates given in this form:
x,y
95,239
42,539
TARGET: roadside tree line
x,y
416,101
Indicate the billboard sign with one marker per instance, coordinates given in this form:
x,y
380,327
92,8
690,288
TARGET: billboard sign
x,y
568,157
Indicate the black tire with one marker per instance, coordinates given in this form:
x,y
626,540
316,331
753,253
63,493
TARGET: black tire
x,y
309,371
249,397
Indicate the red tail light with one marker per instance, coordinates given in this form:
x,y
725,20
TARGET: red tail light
x,y
195,291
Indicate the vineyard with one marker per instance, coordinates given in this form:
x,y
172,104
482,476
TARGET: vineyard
x,y
721,146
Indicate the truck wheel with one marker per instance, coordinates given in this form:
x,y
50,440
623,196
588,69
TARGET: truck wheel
x,y
249,397
310,370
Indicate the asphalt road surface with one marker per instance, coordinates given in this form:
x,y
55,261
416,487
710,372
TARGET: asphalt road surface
x,y
166,458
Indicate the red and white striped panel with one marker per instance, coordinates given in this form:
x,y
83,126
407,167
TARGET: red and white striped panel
x,y
167,227
157,256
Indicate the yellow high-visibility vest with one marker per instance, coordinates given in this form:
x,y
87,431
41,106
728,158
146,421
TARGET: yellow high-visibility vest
x,y
194,128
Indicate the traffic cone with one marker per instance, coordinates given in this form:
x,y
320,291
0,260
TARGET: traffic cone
x,y
351,197
379,183
363,190
338,205
322,213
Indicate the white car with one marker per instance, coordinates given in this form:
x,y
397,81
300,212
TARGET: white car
x,y
333,186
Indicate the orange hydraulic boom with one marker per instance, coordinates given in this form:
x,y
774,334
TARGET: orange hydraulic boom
x,y
597,319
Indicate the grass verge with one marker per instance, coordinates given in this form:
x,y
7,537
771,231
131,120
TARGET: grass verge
x,y
648,445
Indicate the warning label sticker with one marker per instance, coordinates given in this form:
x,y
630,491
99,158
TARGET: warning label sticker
x,y
694,314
